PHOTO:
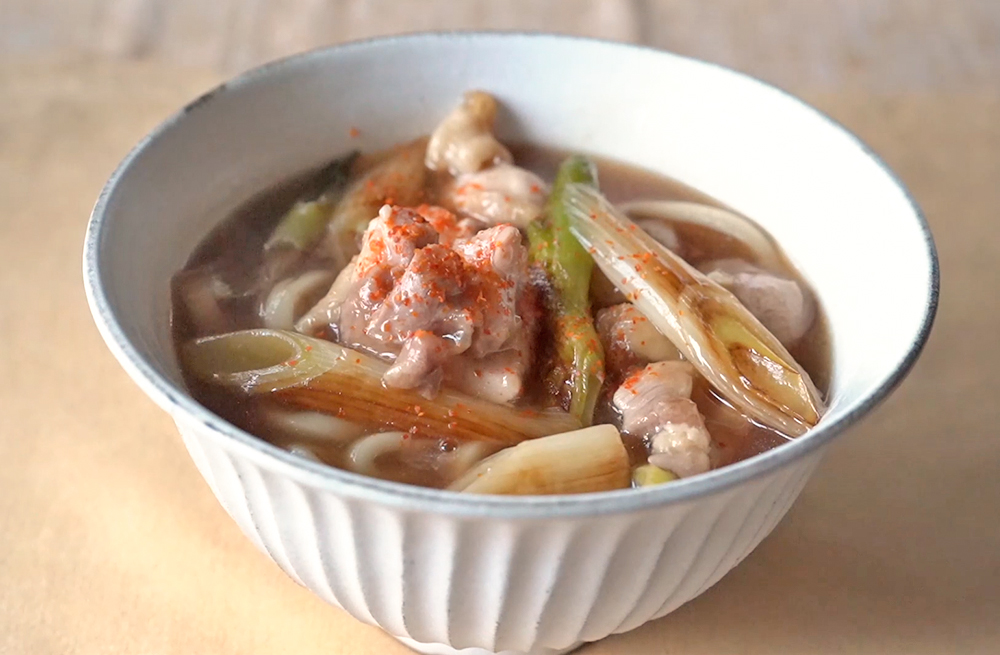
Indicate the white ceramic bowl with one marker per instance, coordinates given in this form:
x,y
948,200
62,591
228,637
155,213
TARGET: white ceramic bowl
x,y
443,571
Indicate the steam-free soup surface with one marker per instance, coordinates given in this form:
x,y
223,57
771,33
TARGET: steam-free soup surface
x,y
436,460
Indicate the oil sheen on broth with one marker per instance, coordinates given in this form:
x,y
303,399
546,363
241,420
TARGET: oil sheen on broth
x,y
430,460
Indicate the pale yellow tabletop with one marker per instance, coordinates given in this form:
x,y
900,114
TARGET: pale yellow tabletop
x,y
110,542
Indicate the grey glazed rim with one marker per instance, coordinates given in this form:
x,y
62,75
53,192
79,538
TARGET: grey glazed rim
x,y
175,398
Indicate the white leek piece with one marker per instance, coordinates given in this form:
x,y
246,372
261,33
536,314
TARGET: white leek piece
x,y
316,375
710,327
591,459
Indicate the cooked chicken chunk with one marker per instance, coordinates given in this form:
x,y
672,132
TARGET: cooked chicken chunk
x,y
655,405
662,232
502,194
781,304
442,306
463,142
682,448
630,340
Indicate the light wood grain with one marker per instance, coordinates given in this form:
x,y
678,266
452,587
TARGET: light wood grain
x,y
902,45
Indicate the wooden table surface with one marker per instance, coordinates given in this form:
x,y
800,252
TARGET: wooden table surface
x,y
111,543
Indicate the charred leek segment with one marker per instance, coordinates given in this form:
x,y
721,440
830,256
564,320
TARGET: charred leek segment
x,y
397,180
721,220
710,327
312,374
579,359
304,223
591,459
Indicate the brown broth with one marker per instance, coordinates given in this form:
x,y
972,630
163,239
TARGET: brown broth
x,y
236,245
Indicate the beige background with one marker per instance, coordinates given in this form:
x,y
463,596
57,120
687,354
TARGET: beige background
x,y
111,543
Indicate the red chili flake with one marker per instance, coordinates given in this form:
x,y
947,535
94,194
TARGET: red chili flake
x,y
453,425
452,413
354,132
308,348
535,188
293,362
357,361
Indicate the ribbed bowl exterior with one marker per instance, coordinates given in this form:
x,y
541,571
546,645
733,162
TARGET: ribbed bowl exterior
x,y
445,574
444,583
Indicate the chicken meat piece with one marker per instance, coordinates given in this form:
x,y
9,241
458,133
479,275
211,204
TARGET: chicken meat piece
x,y
780,303
464,142
630,340
662,232
391,244
502,194
443,306
655,405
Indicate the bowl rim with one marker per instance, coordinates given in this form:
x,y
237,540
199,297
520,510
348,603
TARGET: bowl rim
x,y
173,398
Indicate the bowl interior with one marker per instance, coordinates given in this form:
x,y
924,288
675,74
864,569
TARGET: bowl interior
x,y
841,217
